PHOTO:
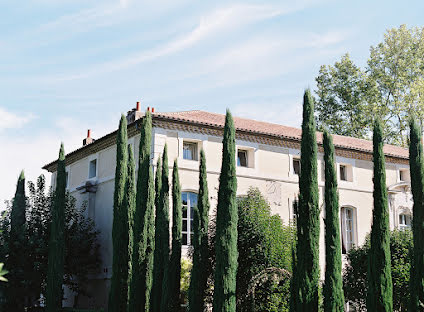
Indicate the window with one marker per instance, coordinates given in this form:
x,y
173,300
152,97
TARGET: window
x,y
92,170
295,205
348,228
296,166
189,200
190,150
404,221
404,175
242,158
343,173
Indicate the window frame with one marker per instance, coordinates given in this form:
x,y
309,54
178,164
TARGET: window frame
x,y
189,219
195,152
346,244
406,217
246,152
92,158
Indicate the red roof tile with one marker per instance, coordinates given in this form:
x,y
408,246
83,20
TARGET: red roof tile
x,y
266,128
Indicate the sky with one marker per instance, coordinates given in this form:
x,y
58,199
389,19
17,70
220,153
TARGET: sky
x,y
72,65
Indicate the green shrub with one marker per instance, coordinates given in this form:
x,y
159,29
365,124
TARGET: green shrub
x,y
355,272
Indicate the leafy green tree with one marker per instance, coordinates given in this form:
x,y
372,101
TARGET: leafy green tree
x,y
391,86
265,247
341,103
144,227
82,257
416,163
199,273
174,267
224,299
17,238
355,272
118,295
306,279
333,286
380,287
55,270
161,256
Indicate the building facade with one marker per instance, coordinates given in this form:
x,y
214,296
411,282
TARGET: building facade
x,y
268,157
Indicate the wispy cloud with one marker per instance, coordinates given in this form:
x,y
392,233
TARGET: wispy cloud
x,y
221,21
10,120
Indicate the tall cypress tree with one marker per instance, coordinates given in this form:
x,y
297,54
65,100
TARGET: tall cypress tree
x,y
163,213
161,240
416,163
380,287
199,272
144,227
118,295
174,267
333,286
307,249
129,201
17,238
224,298
57,241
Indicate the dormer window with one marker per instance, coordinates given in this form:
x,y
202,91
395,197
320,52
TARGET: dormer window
x,y
242,158
190,151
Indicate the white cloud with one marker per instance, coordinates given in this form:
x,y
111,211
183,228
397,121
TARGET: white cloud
x,y
10,120
220,21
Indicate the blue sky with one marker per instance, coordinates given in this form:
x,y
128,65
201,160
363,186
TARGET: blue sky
x,y
70,65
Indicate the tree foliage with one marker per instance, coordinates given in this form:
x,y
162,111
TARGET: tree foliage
x,y
199,275
17,240
56,257
161,256
355,272
416,162
82,256
380,287
144,227
391,86
264,245
224,299
333,285
306,277
118,294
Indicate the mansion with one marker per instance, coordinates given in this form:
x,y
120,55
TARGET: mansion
x,y
268,157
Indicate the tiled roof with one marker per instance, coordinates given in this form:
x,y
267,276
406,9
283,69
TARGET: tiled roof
x,y
266,128
202,118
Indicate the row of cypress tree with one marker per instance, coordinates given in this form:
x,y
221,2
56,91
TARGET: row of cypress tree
x,y
305,282
146,268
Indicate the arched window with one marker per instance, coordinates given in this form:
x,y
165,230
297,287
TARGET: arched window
x,y
189,200
348,228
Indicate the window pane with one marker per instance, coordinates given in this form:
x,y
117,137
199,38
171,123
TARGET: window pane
x,y
242,158
296,166
343,173
190,151
185,239
185,225
92,169
185,212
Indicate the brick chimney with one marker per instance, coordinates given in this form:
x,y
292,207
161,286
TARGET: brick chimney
x,y
134,114
88,139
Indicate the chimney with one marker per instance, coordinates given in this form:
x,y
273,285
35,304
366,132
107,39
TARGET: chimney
x,y
153,109
88,139
134,114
